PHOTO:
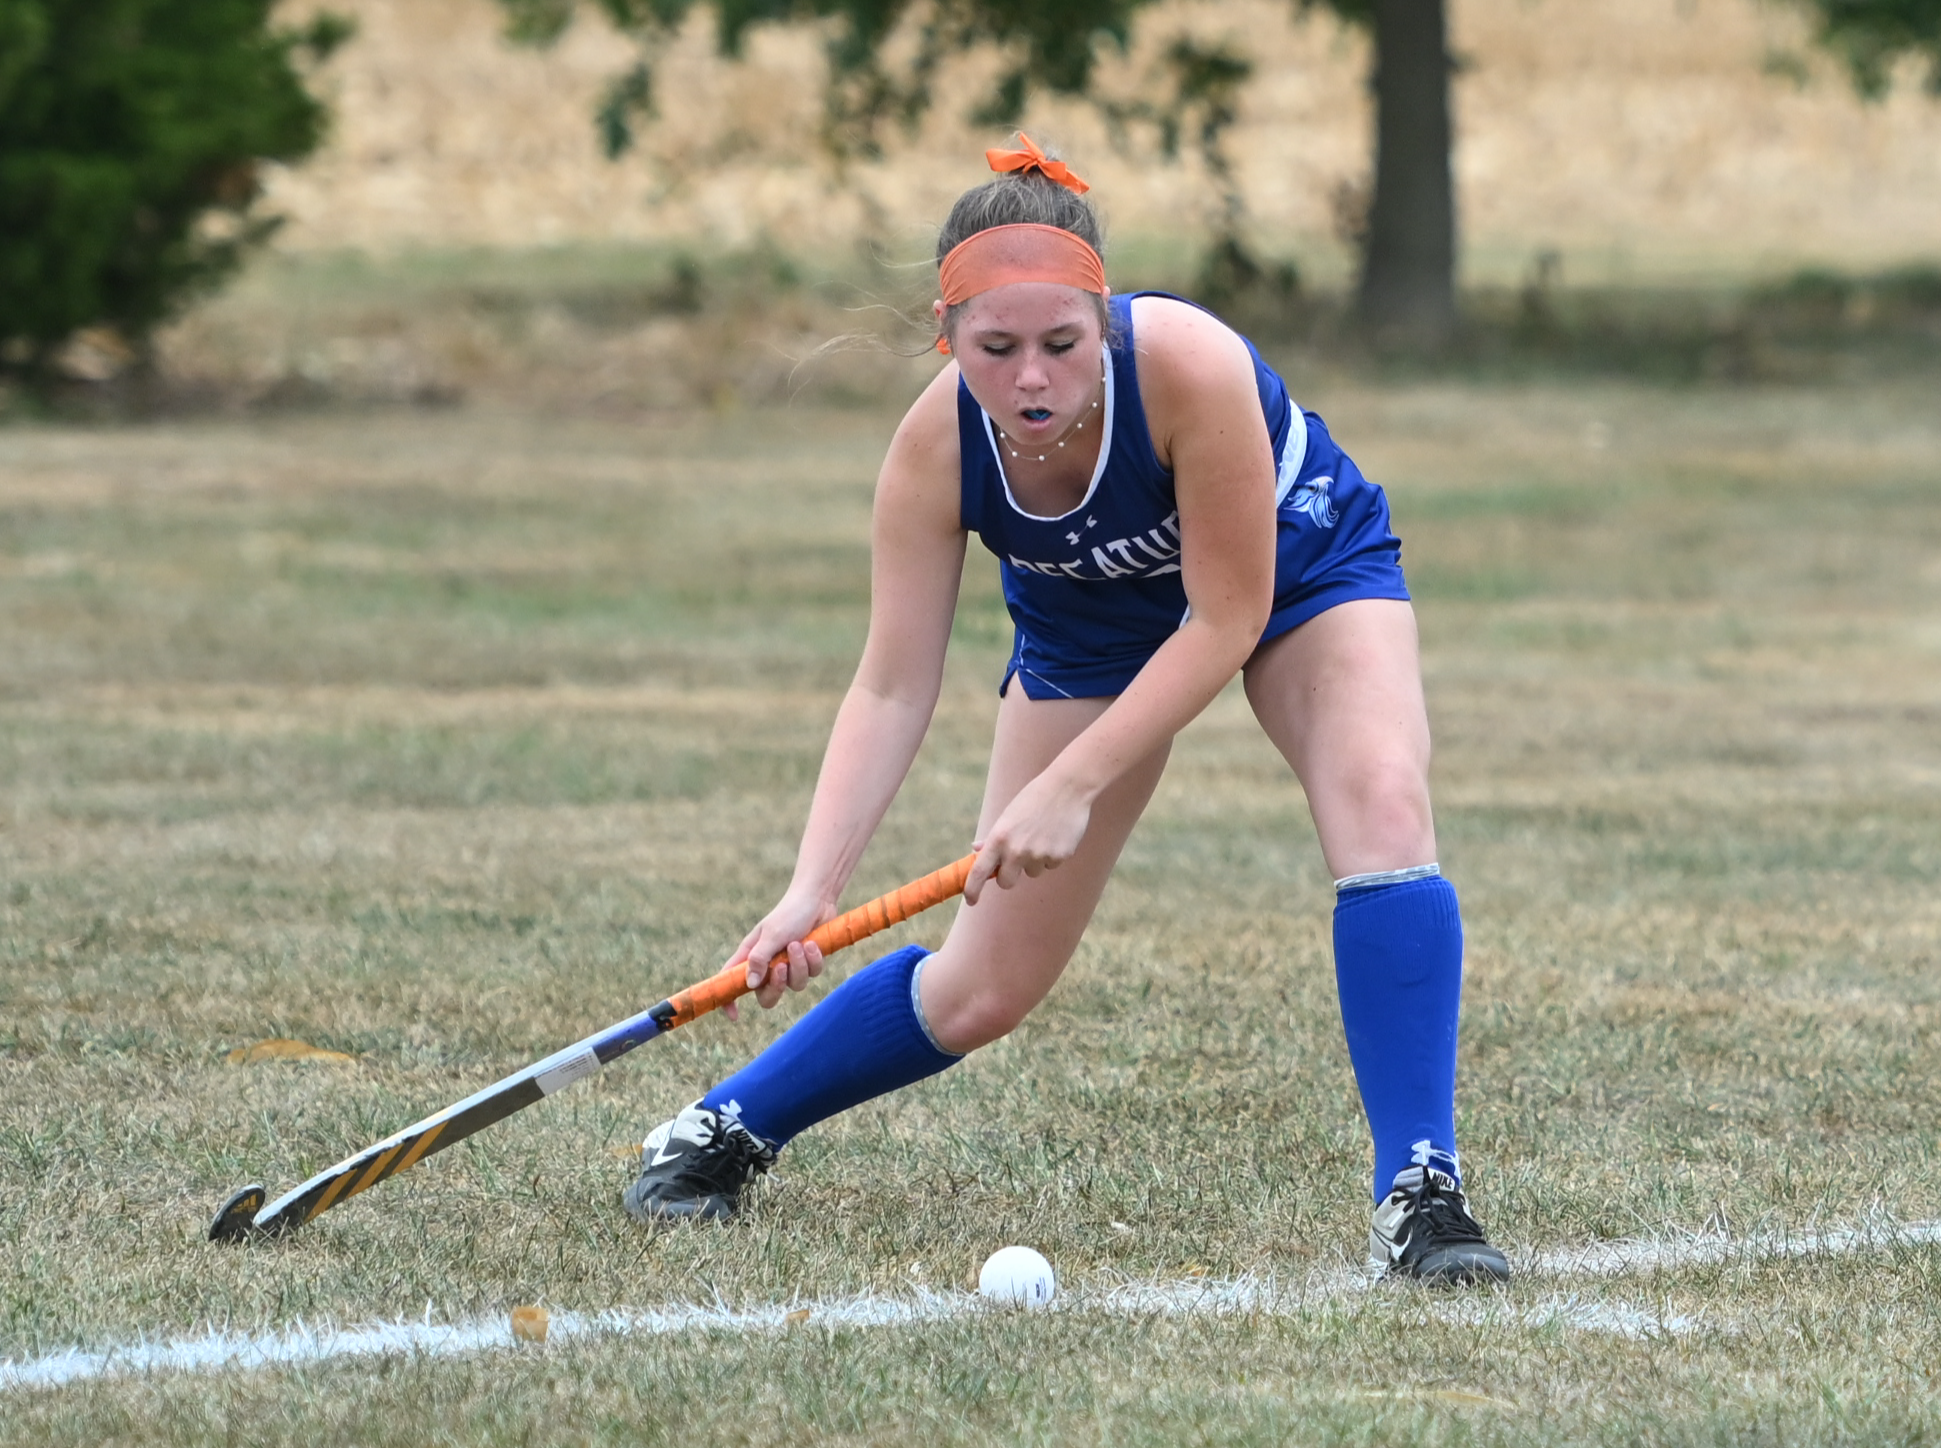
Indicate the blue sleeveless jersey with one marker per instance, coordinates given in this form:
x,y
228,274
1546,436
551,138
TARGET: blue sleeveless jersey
x,y
1094,592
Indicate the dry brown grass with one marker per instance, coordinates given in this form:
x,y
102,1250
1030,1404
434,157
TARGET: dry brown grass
x,y
440,738
614,331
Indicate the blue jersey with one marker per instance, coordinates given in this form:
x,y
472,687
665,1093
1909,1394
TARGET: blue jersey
x,y
1095,591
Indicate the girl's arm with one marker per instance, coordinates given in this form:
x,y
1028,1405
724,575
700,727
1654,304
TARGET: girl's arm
x,y
916,563
1197,380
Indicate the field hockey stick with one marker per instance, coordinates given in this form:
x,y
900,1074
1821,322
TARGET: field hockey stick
x,y
244,1214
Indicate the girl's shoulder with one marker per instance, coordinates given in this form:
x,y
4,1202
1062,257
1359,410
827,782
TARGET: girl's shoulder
x,y
929,426
1163,319
1187,358
919,489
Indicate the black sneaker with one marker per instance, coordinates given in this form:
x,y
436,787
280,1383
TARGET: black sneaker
x,y
1424,1231
694,1167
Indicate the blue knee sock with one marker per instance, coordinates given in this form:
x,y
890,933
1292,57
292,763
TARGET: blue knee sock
x,y
1398,963
864,1039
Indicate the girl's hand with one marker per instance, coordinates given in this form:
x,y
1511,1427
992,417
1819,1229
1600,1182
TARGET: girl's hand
x,y
782,930
1039,830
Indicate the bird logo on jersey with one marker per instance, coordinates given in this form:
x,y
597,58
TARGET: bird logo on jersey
x,y
1312,498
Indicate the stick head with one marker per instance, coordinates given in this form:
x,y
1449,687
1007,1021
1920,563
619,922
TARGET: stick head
x,y
236,1218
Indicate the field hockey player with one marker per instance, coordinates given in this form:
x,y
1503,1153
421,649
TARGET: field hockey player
x,y
1164,517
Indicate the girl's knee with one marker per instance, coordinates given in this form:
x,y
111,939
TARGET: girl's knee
x,y
1387,785
1378,815
1397,789
977,1021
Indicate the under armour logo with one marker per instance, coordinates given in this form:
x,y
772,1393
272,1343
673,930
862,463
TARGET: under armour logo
x,y
1425,1153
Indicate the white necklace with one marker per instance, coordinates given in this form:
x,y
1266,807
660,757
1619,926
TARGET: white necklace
x,y
1063,438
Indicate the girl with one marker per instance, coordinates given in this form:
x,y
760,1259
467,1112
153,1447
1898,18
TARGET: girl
x,y
1164,517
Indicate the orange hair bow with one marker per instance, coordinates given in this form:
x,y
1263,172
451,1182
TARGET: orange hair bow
x,y
1030,158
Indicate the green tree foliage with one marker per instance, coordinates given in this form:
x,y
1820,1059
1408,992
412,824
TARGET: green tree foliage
x,y
130,136
1050,46
1407,287
1871,35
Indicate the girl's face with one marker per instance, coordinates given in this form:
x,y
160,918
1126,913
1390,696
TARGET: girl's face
x,y
1032,355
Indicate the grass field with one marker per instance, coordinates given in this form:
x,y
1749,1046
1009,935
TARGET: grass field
x,y
441,738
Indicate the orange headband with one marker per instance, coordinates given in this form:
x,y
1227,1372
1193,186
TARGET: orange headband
x,y
1025,252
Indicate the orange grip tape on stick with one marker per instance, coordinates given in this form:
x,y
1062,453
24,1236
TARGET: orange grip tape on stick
x,y
731,982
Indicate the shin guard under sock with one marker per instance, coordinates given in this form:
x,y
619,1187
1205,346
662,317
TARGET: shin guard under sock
x,y
865,1038
1398,964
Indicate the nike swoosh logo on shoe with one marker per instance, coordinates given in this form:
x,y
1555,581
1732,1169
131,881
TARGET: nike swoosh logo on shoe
x,y
662,1154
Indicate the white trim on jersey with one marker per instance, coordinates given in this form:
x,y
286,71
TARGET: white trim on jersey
x,y
1105,454
1293,454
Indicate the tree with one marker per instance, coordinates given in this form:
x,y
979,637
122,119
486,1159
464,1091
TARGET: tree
x,y
130,136
1406,293
1049,46
1871,35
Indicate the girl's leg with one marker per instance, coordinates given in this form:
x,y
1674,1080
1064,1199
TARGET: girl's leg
x,y
912,1014
1341,697
1003,954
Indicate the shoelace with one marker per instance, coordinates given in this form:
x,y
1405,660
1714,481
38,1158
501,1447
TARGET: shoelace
x,y
742,1149
1448,1219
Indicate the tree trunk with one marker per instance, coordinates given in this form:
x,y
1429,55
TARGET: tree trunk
x,y
1408,279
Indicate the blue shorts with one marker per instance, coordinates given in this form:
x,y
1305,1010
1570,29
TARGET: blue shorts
x,y
1335,545
1335,540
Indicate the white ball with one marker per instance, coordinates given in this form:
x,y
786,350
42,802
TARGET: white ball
x,y
1017,1276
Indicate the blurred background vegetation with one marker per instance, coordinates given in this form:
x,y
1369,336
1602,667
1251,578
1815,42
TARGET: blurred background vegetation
x,y
651,203
131,134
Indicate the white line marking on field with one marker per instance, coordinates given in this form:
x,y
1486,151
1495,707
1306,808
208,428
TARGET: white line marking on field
x,y
429,1339
1613,1259
1195,1296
